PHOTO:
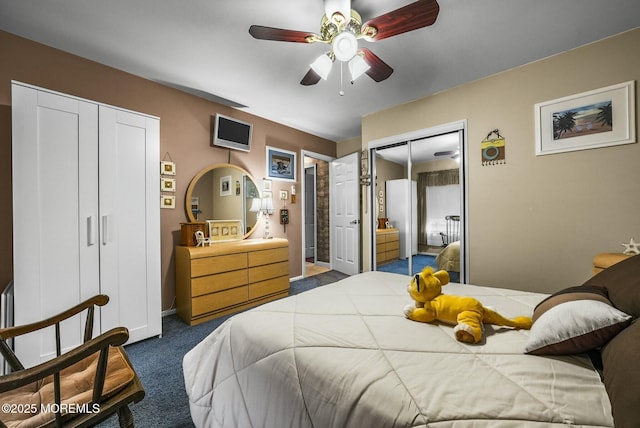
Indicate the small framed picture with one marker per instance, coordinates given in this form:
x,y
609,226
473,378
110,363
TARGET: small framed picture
x,y
281,164
283,195
167,201
167,168
167,184
225,186
266,184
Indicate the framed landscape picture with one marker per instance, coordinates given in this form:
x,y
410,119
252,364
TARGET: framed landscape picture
x,y
599,118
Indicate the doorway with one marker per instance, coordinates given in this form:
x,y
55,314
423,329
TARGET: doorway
x,y
316,236
419,183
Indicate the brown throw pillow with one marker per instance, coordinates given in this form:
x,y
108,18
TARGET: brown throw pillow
x,y
573,321
622,376
622,282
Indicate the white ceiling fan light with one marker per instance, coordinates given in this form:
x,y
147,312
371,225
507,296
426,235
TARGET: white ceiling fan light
x,y
345,46
322,65
357,67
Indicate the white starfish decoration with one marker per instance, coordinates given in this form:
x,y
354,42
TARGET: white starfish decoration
x,y
631,248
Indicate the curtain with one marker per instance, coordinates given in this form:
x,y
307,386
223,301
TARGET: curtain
x,y
446,177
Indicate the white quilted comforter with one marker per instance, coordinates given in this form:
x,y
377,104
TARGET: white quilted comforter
x,y
343,355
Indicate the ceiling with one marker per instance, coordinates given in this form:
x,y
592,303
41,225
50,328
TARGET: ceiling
x,y
204,47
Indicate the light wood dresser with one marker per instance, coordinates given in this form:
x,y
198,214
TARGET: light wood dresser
x,y
228,277
387,245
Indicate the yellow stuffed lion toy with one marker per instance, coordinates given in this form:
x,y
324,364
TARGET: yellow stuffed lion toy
x,y
466,313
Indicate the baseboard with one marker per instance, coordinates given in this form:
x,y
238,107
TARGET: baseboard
x,y
296,278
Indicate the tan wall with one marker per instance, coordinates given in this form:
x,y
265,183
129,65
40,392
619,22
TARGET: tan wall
x,y
346,147
536,222
185,133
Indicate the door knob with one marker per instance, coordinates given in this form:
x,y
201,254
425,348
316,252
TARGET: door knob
x,y
354,221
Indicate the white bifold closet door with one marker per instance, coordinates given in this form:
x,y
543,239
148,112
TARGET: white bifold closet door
x,y
86,216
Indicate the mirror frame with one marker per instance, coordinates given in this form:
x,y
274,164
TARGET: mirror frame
x,y
202,172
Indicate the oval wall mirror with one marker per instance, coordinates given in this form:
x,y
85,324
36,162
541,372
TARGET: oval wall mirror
x,y
223,192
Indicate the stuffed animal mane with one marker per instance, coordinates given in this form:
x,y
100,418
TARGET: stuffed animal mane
x,y
466,313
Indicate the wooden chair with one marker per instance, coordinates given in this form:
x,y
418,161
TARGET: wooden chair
x,y
452,231
79,388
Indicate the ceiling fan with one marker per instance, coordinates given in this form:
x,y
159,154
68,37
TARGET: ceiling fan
x,y
341,27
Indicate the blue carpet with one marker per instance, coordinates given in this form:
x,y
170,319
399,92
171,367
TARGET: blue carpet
x,y
419,262
158,362
402,265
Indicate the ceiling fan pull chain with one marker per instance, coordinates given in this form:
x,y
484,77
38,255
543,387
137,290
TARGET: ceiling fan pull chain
x,y
341,92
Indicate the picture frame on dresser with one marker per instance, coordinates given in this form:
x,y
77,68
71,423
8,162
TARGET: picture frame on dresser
x,y
225,230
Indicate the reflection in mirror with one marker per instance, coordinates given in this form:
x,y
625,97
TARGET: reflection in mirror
x,y
223,192
429,169
392,207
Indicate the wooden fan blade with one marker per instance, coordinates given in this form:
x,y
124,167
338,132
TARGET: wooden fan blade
x,y
311,78
281,35
421,13
379,70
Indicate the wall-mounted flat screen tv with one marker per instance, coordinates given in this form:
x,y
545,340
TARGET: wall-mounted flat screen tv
x,y
232,133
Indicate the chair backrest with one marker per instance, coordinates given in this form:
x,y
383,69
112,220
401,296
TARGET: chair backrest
x,y
452,228
95,372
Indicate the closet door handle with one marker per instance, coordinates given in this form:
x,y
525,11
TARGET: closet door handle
x,y
105,231
91,231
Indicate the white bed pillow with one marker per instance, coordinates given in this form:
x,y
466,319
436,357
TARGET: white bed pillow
x,y
574,327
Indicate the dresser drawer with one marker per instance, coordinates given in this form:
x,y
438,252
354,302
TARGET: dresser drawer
x,y
390,246
218,282
265,257
393,237
270,286
212,302
260,273
217,264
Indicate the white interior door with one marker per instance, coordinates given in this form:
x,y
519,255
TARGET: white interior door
x,y
344,188
55,151
129,221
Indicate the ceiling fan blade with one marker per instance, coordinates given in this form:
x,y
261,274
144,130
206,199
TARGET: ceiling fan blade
x,y
379,70
311,78
281,35
421,13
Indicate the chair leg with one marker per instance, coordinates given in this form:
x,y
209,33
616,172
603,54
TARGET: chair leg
x,y
125,418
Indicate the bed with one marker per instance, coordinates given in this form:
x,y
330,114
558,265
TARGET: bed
x,y
344,355
449,258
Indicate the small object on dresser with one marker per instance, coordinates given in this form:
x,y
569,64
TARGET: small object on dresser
x,y
188,231
201,240
632,248
382,222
